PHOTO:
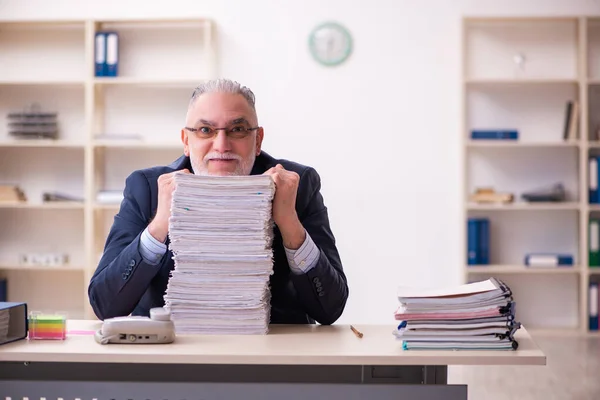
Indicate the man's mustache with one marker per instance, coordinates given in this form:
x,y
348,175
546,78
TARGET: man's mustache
x,y
221,156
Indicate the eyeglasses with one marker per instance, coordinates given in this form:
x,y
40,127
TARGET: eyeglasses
x,y
234,132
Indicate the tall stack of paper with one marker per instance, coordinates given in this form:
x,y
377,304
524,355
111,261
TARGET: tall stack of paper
x,y
221,234
474,316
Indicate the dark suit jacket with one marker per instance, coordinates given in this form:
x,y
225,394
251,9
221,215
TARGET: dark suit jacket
x,y
125,284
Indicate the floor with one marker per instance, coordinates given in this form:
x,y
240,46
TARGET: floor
x,y
572,372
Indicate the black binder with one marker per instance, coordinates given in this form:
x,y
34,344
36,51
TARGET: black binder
x,y
13,322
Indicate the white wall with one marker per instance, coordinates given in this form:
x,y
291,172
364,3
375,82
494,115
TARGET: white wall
x,y
382,130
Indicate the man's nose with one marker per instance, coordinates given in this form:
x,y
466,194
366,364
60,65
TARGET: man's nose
x,y
221,142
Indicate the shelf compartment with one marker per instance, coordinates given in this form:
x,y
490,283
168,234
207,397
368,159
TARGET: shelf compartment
x,y
29,168
119,163
49,52
67,102
593,51
146,49
514,235
517,172
41,231
537,112
154,115
549,47
48,291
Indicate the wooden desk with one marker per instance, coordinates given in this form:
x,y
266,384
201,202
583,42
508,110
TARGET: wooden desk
x,y
315,362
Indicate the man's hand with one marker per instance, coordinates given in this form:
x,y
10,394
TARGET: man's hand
x,y
159,227
284,206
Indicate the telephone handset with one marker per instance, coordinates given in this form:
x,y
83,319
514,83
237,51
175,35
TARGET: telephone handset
x,y
157,329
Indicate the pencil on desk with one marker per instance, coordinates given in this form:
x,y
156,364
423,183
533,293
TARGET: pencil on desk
x,y
356,332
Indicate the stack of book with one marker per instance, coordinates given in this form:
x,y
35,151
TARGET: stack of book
x,y
474,316
221,234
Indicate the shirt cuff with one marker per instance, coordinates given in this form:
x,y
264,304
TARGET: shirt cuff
x,y
305,258
151,249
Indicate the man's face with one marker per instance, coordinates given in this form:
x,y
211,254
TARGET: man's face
x,y
219,152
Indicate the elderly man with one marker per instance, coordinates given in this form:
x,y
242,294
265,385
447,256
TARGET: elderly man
x,y
222,137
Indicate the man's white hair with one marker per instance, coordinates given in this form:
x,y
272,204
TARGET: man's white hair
x,y
223,86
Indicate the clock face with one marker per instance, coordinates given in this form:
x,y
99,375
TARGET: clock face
x,y
330,44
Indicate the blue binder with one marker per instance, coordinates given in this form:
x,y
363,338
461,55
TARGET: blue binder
x,y
478,241
593,306
100,54
112,54
594,174
15,316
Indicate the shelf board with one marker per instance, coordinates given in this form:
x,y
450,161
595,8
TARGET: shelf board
x,y
133,81
477,143
523,81
116,143
61,268
594,81
523,206
593,270
594,144
41,143
43,82
520,269
57,205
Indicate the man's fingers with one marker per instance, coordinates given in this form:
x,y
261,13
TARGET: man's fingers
x,y
269,171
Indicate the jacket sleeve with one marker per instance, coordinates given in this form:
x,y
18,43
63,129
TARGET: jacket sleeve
x,y
323,290
122,275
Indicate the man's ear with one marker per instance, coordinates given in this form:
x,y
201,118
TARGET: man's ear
x,y
184,140
259,138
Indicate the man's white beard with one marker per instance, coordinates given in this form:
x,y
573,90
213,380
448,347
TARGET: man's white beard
x,y
200,167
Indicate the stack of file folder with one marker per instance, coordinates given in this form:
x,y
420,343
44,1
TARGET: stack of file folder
x,y
221,235
474,316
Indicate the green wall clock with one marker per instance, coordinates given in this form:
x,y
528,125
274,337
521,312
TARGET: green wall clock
x,y
330,44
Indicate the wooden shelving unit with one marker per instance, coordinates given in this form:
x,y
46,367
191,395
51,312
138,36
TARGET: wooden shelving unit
x,y
52,64
561,63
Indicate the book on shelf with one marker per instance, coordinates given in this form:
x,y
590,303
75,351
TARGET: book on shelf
x,y
474,316
593,306
571,121
478,241
534,260
593,242
593,177
495,134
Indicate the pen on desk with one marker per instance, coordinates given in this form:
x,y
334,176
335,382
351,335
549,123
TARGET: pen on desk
x,y
356,332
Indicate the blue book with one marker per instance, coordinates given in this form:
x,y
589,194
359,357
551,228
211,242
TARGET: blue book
x,y
100,54
472,242
495,134
548,259
3,290
593,174
478,241
112,54
593,306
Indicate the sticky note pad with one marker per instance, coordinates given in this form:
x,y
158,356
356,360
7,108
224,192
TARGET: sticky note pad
x,y
47,326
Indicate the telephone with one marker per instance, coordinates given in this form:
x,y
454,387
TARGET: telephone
x,y
157,329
